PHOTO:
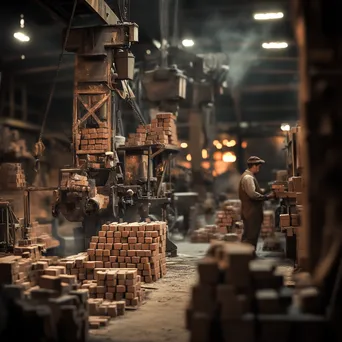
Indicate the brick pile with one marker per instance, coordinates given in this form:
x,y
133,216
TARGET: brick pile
x,y
268,224
53,311
240,299
74,182
40,234
116,285
162,130
226,218
109,292
12,176
206,234
94,141
131,245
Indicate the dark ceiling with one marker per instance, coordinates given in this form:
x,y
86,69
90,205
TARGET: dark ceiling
x,y
267,78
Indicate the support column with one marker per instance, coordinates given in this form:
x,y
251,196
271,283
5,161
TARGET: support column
x,y
196,140
320,45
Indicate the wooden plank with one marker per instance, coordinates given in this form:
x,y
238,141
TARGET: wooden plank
x,y
101,8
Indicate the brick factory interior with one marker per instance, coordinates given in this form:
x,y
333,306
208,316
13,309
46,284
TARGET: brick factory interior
x,y
169,171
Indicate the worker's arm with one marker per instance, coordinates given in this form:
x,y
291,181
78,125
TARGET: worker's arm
x,y
248,186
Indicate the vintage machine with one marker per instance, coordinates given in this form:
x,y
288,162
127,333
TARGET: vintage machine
x,y
107,181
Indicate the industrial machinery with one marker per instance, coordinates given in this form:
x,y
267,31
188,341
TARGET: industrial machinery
x,y
9,227
107,181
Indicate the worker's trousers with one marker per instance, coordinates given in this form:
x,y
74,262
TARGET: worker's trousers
x,y
251,230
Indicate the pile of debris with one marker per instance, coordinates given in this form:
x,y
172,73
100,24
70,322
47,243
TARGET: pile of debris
x,y
241,299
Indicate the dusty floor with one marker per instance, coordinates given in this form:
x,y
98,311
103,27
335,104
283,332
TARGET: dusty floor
x,y
162,317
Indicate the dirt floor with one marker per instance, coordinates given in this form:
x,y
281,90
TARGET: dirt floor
x,y
162,317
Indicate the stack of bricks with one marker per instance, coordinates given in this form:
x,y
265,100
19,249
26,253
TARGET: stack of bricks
x,y
112,284
226,218
206,234
268,225
240,299
74,182
24,269
53,311
94,140
131,245
12,177
101,311
26,249
40,234
162,130
138,138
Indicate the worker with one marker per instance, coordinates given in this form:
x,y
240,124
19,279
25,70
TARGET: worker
x,y
252,202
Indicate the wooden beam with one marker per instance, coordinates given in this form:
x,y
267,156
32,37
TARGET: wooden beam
x,y
101,8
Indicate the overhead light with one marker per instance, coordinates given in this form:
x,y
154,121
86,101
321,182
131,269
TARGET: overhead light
x,y
215,142
275,45
21,36
219,146
285,127
244,144
156,43
269,16
183,145
188,157
148,52
229,157
22,57
204,154
188,43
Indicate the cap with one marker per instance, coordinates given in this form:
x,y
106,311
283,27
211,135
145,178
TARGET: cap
x,y
255,160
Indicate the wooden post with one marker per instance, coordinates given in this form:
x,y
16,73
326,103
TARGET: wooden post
x,y
195,148
320,107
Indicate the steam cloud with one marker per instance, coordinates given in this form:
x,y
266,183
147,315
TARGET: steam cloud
x,y
240,46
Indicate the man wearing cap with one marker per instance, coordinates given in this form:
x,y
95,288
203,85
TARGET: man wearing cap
x,y
252,201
